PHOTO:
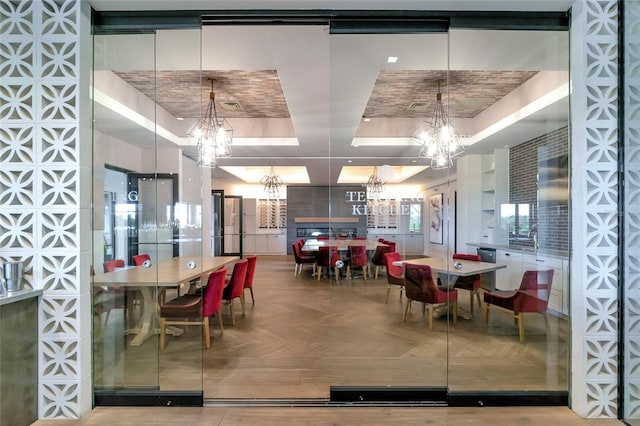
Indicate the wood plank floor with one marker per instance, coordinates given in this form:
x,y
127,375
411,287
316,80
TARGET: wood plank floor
x,y
304,335
158,416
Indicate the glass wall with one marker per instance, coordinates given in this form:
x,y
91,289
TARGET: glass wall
x,y
147,221
337,116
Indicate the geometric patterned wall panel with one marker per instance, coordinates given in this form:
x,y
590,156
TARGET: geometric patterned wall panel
x,y
596,225
40,185
631,212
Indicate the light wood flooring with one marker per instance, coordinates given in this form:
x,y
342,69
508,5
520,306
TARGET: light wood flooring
x,y
304,335
157,416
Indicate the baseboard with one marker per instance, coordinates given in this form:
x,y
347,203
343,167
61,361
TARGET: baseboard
x,y
368,394
147,398
508,398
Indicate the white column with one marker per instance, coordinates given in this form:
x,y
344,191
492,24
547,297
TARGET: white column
x,y
45,160
594,208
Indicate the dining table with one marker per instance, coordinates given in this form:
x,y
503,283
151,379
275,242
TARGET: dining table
x,y
448,270
146,278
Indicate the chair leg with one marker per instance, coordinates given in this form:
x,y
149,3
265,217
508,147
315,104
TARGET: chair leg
x,y
364,272
520,318
336,272
430,317
386,299
348,272
295,269
163,330
375,273
242,302
253,301
478,298
319,272
232,313
220,322
205,332
406,309
471,293
486,313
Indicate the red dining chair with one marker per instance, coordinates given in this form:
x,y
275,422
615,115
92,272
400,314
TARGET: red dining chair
x,y
248,281
234,286
395,274
301,259
377,260
531,297
419,286
328,257
471,283
357,259
179,310
139,259
112,265
391,244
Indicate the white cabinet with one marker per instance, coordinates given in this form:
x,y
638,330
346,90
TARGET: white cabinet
x,y
508,278
536,263
249,244
414,244
270,244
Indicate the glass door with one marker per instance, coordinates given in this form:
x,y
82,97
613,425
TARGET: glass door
x,y
143,154
382,88
512,209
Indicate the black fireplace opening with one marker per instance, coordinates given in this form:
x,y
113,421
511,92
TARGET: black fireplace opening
x,y
330,232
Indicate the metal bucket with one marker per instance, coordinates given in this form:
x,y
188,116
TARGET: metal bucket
x,y
13,276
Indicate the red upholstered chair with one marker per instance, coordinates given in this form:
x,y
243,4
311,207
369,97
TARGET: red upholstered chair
x,y
419,286
200,307
391,244
301,259
381,240
139,259
472,283
328,256
395,274
248,280
359,238
234,287
357,259
112,265
531,297
377,259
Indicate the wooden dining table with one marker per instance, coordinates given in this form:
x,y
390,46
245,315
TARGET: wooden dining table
x,y
165,273
448,273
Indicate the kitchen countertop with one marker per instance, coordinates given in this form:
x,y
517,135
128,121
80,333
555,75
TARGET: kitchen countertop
x,y
16,296
524,250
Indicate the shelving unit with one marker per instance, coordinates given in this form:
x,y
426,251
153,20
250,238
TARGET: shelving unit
x,y
488,195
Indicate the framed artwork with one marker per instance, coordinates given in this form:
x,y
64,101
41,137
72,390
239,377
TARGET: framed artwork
x,y
435,219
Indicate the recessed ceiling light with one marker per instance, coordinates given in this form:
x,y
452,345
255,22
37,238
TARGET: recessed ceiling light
x,y
349,161
355,146
367,119
392,59
179,118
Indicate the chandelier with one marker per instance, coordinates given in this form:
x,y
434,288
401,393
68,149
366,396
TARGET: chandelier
x,y
272,183
214,134
375,185
439,140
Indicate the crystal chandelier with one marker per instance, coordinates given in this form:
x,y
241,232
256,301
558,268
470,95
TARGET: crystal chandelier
x,y
272,183
375,185
438,139
214,134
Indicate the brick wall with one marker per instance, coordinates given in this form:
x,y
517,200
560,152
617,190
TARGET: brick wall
x,y
551,216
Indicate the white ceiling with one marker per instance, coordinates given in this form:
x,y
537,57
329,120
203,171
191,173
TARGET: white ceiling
x,y
327,79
